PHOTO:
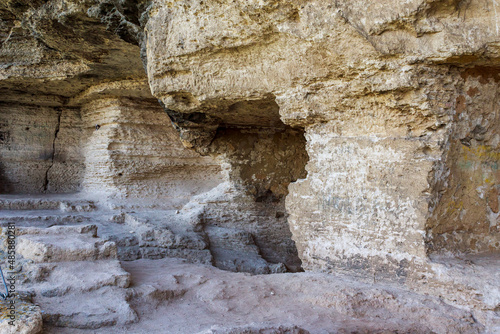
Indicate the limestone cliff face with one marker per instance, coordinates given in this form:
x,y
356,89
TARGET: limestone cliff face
x,y
397,104
358,136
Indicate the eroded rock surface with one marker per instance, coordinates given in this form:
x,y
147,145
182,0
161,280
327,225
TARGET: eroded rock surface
x,y
355,137
224,302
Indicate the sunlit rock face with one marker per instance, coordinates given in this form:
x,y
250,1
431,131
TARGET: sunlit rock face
x,y
355,137
395,101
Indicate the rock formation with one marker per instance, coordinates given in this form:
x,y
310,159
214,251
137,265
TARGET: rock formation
x,y
358,141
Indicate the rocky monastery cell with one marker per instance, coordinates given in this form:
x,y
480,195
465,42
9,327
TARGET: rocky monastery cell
x,y
249,166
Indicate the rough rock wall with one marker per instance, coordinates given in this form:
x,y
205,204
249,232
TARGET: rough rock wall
x,y
366,131
15,153
263,161
40,150
381,92
49,53
133,150
67,169
396,101
65,63
466,218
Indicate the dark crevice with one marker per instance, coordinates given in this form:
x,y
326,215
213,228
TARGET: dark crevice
x,y
56,132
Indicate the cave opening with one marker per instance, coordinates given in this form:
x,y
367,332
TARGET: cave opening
x,y
260,156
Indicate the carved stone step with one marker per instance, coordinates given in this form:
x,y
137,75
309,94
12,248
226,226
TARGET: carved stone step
x,y
64,243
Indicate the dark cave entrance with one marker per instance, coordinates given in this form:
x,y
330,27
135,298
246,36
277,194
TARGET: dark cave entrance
x,y
264,156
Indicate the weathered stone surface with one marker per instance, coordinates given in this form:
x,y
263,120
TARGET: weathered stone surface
x,y
333,136
74,275
137,155
379,128
28,319
397,102
33,159
256,329
230,206
159,234
235,303
68,247
99,308
466,219
235,250
60,278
